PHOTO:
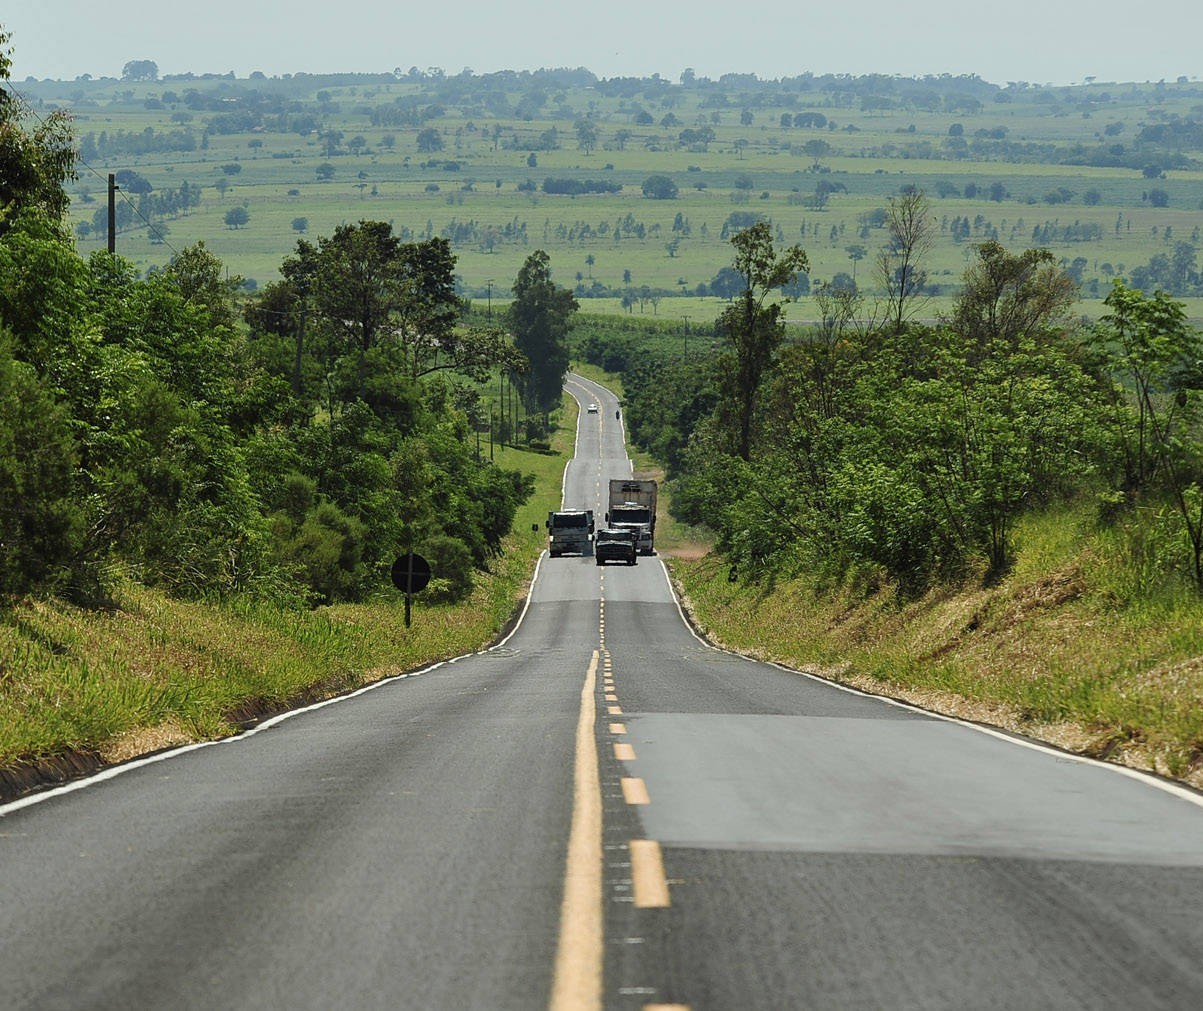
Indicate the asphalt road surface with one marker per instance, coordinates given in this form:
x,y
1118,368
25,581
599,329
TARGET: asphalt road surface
x,y
602,811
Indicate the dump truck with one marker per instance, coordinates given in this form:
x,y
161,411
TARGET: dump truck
x,y
569,530
632,506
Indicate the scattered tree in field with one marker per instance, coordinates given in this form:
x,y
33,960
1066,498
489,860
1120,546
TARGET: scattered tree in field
x,y
140,70
237,217
586,136
430,140
300,225
659,187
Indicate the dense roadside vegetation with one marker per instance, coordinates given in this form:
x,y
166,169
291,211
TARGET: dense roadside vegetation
x,y
998,515
202,494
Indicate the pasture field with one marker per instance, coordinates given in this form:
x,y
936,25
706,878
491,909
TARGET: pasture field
x,y
467,157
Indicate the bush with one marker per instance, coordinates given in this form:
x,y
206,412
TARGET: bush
x,y
450,567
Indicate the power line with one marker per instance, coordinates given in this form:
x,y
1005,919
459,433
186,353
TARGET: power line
x,y
28,106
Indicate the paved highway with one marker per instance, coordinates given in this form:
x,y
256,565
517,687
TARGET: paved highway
x,y
604,812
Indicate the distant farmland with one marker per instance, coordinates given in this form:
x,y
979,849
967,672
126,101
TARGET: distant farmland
x,y
1109,177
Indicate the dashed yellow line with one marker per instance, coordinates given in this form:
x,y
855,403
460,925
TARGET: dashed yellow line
x,y
634,790
647,875
624,752
618,728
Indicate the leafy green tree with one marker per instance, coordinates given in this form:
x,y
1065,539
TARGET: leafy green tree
x,y
586,136
356,286
140,70
1151,354
659,187
753,326
36,164
539,319
1006,297
236,217
430,140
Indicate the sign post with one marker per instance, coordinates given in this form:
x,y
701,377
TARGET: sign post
x,y
411,573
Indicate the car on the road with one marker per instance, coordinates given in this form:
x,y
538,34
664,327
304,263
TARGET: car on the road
x,y
592,408
615,546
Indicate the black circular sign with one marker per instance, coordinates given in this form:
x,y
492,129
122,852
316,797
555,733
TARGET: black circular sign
x,y
411,573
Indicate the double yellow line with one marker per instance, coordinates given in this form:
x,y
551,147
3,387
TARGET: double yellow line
x,y
577,982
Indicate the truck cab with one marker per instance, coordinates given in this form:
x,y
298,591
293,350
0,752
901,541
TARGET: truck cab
x,y
569,531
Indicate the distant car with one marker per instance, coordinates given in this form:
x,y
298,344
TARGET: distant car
x,y
593,408
615,546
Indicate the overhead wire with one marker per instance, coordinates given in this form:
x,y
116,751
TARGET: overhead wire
x,y
28,107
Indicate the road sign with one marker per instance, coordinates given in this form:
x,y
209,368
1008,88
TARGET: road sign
x,y
411,573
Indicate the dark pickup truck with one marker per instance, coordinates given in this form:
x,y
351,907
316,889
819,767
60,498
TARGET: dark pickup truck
x,y
615,546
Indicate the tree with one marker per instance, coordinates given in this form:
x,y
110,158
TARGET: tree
x,y
1005,297
35,165
300,225
236,217
586,136
1147,346
539,318
659,187
430,140
911,233
140,70
357,284
753,326
856,252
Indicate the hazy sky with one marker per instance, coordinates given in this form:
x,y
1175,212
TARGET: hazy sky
x,y
1040,41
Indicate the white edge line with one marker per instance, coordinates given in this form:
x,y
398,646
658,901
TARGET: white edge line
x,y
1148,778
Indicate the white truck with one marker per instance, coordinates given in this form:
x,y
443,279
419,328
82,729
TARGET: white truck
x,y
632,506
569,530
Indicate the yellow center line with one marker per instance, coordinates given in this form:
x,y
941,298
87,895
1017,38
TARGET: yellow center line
x,y
613,710
624,752
618,728
577,979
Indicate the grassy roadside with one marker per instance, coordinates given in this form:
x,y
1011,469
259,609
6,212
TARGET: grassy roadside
x,y
83,688
1051,652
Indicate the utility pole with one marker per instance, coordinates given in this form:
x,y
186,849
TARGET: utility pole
x,y
489,282
113,187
